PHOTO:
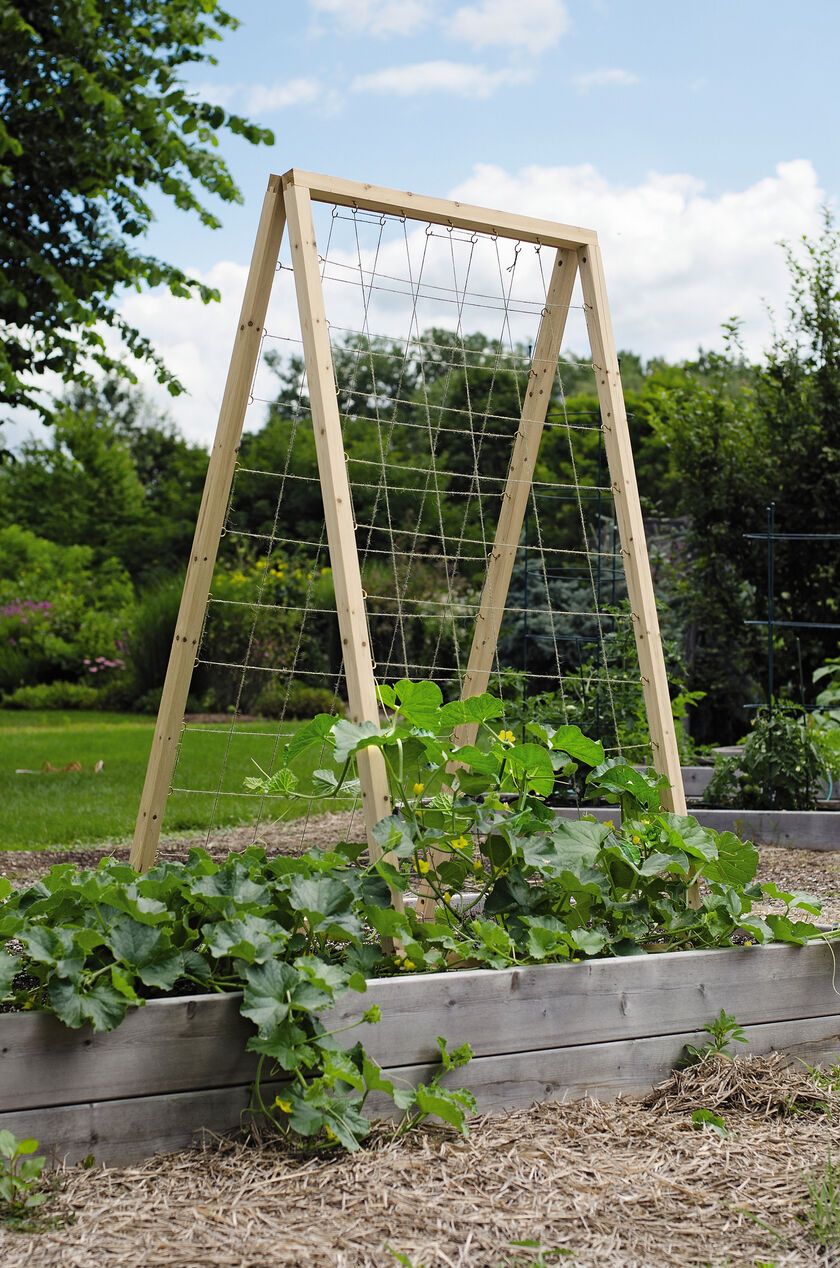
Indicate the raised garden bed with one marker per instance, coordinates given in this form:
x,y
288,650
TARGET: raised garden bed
x,y
603,1027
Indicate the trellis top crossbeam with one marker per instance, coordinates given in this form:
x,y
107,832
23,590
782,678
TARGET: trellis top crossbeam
x,y
438,211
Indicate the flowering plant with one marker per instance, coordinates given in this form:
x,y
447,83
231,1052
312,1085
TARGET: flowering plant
x,y
507,879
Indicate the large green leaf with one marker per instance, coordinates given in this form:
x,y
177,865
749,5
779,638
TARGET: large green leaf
x,y
685,833
55,947
474,710
420,703
570,845
100,1004
477,759
287,1043
571,740
619,779
393,836
229,888
329,978
451,1106
792,898
267,991
250,938
320,898
736,863
796,931
660,863
351,736
317,732
531,764
9,968
155,963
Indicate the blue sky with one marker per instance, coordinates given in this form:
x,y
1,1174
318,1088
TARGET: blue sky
x,y
693,135
722,90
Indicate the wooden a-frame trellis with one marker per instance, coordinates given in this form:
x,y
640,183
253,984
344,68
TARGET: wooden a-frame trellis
x,y
287,204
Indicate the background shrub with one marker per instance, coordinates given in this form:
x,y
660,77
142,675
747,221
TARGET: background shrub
x,y
59,611
296,700
54,695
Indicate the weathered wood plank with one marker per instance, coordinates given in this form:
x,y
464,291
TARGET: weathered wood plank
x,y
170,1045
548,1006
199,1042
123,1131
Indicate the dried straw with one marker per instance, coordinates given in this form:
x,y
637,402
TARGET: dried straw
x,y
632,1184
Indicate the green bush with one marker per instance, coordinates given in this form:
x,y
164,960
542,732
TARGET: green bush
x,y
294,699
151,636
54,695
61,615
261,613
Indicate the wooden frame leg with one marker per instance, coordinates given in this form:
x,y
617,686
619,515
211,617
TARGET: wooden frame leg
x,y
666,758
208,530
514,505
338,512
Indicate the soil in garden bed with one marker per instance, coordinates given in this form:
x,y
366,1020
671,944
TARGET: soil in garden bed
x,y
631,1184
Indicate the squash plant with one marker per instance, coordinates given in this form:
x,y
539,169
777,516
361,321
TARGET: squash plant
x,y
513,884
290,934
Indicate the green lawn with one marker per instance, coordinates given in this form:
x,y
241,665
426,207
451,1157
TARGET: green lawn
x,y
68,808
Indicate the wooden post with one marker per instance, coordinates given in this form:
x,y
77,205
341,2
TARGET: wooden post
x,y
666,758
514,504
338,511
208,530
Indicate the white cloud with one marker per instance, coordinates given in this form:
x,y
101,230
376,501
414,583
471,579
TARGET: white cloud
x,y
609,77
260,99
216,94
459,78
265,98
195,341
532,24
377,17
678,260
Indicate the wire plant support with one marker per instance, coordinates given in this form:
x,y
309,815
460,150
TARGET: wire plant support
x,y
773,622
422,533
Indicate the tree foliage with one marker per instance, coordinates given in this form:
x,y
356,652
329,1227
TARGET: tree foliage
x,y
95,123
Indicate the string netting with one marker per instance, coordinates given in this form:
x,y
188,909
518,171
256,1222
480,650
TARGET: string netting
x,y
432,331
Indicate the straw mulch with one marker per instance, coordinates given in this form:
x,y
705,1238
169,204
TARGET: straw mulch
x,y
628,1184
